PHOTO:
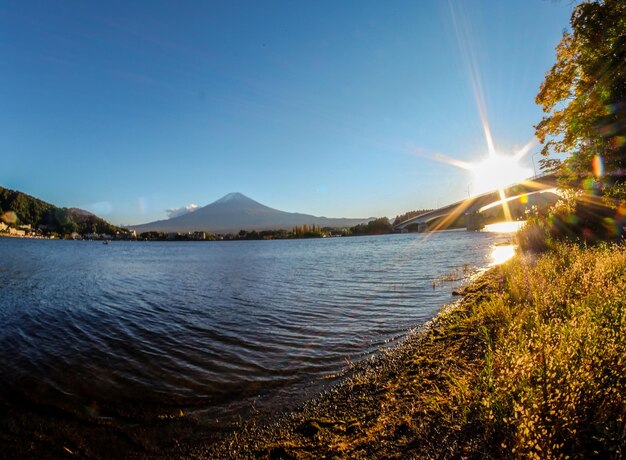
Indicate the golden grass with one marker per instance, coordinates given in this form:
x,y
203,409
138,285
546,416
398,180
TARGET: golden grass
x,y
554,383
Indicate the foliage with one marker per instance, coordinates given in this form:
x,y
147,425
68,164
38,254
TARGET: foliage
x,y
307,231
29,210
584,98
152,235
378,226
572,219
49,218
408,215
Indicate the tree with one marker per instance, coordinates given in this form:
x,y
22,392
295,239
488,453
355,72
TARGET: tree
x,y
584,98
378,226
408,215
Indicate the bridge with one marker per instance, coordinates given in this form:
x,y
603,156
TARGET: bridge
x,y
472,207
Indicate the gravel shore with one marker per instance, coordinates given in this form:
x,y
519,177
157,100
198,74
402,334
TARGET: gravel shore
x,y
402,403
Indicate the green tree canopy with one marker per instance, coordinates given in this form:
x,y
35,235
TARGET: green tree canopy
x,y
584,98
39,214
379,226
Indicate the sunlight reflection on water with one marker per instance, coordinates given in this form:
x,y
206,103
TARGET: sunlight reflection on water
x,y
501,254
505,227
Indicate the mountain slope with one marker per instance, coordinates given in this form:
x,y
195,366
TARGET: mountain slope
x,y
234,212
43,215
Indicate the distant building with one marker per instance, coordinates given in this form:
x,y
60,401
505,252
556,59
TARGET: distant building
x,y
200,236
16,232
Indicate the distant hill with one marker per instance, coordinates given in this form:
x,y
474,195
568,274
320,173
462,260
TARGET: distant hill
x,y
50,218
234,212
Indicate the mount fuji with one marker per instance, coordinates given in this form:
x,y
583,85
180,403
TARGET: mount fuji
x,y
234,212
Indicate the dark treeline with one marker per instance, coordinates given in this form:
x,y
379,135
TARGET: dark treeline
x,y
408,215
378,226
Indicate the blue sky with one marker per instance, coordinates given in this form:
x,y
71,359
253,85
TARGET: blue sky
x,y
131,108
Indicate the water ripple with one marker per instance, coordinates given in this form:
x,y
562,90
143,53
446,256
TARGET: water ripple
x,y
210,326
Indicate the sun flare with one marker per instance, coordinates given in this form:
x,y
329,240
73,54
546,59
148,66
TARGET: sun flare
x,y
502,253
497,172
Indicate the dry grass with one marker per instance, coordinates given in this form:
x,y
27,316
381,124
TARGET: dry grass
x,y
554,383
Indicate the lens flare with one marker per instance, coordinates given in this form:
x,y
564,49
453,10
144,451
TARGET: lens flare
x,y
597,165
9,217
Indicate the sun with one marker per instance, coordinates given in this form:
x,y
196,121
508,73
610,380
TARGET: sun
x,y
497,171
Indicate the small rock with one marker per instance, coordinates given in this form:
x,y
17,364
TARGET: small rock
x,y
308,428
279,453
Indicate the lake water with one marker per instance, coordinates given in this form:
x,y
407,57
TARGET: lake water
x,y
134,346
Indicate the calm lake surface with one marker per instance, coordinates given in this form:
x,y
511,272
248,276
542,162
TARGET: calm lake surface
x,y
143,344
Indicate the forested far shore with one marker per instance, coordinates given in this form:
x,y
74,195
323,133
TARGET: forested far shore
x,y
25,215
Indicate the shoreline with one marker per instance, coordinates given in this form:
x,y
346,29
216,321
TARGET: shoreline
x,y
352,418
333,387
528,364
